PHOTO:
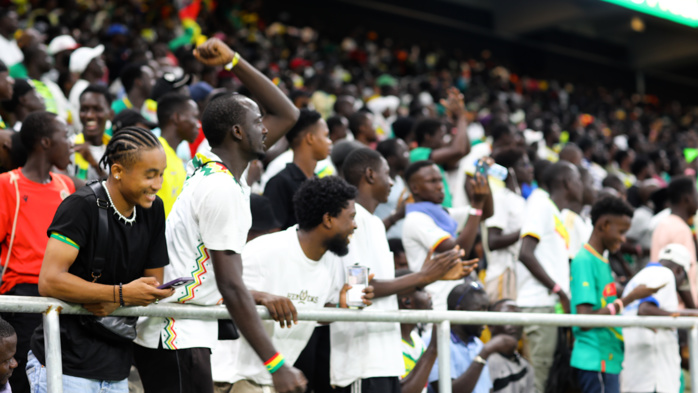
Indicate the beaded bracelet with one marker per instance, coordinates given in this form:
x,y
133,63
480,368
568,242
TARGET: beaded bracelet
x,y
275,363
121,296
620,304
611,309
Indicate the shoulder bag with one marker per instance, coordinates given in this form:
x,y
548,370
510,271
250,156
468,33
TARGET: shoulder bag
x,y
115,329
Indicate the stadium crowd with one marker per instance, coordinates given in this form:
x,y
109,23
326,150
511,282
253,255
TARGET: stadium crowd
x,y
255,162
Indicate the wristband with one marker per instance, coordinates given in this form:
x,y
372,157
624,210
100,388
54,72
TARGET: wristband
x,y
621,307
275,363
475,212
479,359
121,295
557,288
232,64
611,309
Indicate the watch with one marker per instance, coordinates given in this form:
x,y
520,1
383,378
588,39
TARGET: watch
x,y
479,359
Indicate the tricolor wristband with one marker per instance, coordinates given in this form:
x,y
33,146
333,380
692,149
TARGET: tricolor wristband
x,y
275,363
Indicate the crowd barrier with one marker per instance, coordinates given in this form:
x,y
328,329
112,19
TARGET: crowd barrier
x,y
52,308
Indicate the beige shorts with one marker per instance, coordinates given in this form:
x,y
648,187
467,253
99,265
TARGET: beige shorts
x,y
502,286
247,386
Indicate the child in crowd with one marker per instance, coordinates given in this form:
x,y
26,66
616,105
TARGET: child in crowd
x,y
597,355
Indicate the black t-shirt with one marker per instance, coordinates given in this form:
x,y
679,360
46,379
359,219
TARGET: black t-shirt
x,y
131,250
280,190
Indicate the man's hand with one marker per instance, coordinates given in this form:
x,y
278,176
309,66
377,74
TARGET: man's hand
x,y
478,191
454,103
435,267
144,291
101,309
503,343
288,379
462,269
280,308
214,52
641,292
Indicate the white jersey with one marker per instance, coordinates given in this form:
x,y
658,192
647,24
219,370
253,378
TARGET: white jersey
x,y
211,213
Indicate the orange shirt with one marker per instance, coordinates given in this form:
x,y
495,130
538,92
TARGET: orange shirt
x,y
38,204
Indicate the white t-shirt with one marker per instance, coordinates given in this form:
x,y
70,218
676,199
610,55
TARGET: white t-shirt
x,y
544,222
380,353
276,264
652,361
10,54
509,208
579,229
421,234
211,213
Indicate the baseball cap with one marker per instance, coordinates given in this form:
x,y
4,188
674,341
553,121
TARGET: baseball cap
x,y
128,118
167,83
83,56
263,218
61,43
199,91
678,254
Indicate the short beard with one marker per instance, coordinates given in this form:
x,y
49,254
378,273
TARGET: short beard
x,y
337,245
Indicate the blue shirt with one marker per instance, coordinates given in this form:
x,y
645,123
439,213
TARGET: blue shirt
x,y
462,355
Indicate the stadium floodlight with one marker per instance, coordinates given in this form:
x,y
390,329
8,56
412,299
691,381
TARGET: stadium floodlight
x,y
684,12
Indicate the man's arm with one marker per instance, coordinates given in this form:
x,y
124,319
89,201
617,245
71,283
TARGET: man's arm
x,y
434,268
460,145
466,239
466,382
528,258
56,281
241,306
649,308
415,381
497,240
280,115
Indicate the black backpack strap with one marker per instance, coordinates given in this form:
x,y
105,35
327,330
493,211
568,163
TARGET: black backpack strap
x,y
99,260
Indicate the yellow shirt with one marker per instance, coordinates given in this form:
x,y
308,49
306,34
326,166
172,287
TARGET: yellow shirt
x,y
173,178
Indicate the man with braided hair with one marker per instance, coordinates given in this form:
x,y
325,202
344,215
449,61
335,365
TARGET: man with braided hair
x,y
206,231
132,271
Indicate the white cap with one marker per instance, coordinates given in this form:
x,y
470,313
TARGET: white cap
x,y
83,56
678,254
61,43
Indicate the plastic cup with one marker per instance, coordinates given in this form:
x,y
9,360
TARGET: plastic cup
x,y
357,278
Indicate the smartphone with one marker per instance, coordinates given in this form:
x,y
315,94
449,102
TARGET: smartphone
x,y
177,282
481,167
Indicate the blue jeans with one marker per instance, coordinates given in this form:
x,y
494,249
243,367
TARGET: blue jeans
x,y
36,373
597,382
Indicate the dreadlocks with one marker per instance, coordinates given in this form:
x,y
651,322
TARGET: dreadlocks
x,y
125,145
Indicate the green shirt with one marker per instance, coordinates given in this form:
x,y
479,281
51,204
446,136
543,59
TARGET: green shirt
x,y
424,153
18,71
591,282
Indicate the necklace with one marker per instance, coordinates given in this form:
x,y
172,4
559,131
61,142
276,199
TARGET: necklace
x,y
128,221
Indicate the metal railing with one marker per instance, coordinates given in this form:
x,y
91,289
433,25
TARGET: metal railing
x,y
51,308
